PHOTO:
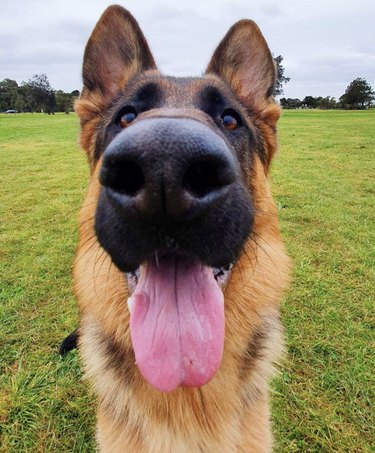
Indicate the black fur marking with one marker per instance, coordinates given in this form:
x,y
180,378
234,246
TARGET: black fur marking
x,y
147,92
69,343
261,149
212,101
254,351
144,96
119,359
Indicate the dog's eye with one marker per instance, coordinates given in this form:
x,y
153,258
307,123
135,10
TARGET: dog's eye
x,y
230,120
126,117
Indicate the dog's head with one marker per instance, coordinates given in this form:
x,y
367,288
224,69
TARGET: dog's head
x,y
179,166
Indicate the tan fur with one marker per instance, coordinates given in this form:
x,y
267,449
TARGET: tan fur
x,y
230,413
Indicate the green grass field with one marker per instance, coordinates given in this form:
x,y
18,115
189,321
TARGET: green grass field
x,y
324,183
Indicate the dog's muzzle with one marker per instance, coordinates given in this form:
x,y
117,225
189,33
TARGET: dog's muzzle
x,y
167,170
171,185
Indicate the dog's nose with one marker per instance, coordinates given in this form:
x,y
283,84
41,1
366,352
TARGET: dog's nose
x,y
170,169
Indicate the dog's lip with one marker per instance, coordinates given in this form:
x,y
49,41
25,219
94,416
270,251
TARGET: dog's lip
x,y
221,275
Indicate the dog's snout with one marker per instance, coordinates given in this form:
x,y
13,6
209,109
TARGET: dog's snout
x,y
168,168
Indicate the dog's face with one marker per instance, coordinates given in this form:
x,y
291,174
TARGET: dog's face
x,y
172,183
179,166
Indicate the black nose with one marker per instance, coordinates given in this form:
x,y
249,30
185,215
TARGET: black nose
x,y
168,169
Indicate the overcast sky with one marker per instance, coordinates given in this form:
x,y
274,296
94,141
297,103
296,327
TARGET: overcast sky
x,y
325,43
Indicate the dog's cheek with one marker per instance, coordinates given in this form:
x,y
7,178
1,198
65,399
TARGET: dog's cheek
x,y
89,110
265,211
266,124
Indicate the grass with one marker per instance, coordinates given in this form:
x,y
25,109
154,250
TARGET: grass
x,y
324,184
323,180
43,405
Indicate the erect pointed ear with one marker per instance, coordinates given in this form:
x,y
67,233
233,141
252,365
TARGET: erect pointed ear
x,y
245,62
116,51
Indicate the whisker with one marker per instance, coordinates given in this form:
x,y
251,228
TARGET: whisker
x,y
90,219
92,238
265,251
96,263
260,211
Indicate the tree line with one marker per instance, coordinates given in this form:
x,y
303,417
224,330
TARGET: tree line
x,y
35,95
358,95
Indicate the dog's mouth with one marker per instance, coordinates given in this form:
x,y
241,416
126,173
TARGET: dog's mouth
x,y
221,275
177,320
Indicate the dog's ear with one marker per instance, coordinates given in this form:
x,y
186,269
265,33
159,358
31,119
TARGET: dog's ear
x,y
245,62
116,51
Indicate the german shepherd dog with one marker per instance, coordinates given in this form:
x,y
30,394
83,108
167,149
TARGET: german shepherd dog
x,y
180,266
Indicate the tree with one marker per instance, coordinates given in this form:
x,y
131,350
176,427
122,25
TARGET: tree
x,y
358,95
51,103
290,103
36,95
26,100
63,101
42,93
309,102
8,94
281,78
326,103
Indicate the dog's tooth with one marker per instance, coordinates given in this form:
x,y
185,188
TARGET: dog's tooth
x,y
130,304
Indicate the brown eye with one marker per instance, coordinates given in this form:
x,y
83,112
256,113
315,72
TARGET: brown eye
x,y
230,120
127,117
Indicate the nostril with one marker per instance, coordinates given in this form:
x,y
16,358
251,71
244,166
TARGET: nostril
x,y
204,177
125,177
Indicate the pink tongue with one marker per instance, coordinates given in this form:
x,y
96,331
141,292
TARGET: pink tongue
x,y
177,323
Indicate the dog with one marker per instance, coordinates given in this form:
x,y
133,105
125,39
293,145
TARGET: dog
x,y
180,267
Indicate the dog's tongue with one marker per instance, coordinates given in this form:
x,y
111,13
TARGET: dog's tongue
x,y
177,323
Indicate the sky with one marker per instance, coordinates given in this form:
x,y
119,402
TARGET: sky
x,y
325,43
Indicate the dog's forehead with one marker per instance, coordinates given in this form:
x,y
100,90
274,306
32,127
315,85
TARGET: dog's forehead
x,y
179,91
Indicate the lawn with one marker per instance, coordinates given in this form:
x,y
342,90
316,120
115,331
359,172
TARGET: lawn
x,y
324,182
